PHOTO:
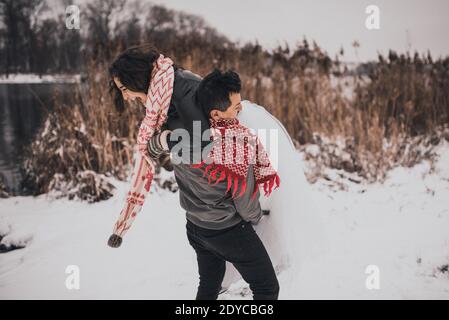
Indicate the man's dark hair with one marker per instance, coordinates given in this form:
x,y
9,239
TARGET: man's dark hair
x,y
133,68
214,90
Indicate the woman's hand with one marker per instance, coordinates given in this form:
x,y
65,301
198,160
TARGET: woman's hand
x,y
114,241
158,149
157,145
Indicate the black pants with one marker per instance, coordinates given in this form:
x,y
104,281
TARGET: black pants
x,y
239,245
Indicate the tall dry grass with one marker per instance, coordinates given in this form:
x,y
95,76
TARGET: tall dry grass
x,y
81,138
398,99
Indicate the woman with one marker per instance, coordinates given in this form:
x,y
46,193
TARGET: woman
x,y
135,73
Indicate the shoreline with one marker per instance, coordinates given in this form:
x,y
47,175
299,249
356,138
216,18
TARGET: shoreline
x,y
33,78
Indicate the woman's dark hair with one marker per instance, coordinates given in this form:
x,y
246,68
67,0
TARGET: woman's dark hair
x,y
214,90
133,68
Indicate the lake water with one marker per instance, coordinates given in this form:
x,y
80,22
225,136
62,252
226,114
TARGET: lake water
x,y
22,113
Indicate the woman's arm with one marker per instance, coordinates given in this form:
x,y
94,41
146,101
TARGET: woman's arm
x,y
158,101
141,182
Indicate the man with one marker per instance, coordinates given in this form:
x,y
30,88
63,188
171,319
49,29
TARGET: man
x,y
219,226
218,223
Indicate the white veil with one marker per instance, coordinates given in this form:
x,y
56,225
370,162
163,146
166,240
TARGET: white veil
x,y
293,232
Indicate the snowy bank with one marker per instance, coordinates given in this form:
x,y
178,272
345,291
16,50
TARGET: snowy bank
x,y
401,227
35,78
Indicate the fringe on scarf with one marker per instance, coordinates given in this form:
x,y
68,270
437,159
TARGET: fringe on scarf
x,y
216,173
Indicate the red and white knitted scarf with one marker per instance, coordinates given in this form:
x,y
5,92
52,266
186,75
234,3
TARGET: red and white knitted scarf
x,y
234,148
156,105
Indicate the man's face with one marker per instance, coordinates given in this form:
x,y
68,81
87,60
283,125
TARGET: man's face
x,y
232,111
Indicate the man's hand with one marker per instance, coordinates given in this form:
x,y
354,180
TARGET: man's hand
x,y
114,241
261,217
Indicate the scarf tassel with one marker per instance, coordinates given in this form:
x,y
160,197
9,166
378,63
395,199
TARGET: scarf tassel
x,y
269,182
212,175
206,170
217,173
236,186
242,188
221,177
198,165
229,183
233,183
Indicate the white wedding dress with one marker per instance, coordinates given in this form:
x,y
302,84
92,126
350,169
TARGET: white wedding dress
x,y
293,232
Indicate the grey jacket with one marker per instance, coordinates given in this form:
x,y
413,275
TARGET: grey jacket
x,y
206,205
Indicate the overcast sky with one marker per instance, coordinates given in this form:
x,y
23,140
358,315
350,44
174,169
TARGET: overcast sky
x,y
416,24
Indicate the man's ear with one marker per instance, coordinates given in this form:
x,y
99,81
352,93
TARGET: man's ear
x,y
215,114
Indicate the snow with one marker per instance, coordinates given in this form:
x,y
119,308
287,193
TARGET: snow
x,y
35,78
401,227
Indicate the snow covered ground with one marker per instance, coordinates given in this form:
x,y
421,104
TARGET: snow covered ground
x,y
400,228
35,78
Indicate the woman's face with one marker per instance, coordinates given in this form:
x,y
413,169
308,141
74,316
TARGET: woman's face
x,y
129,95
